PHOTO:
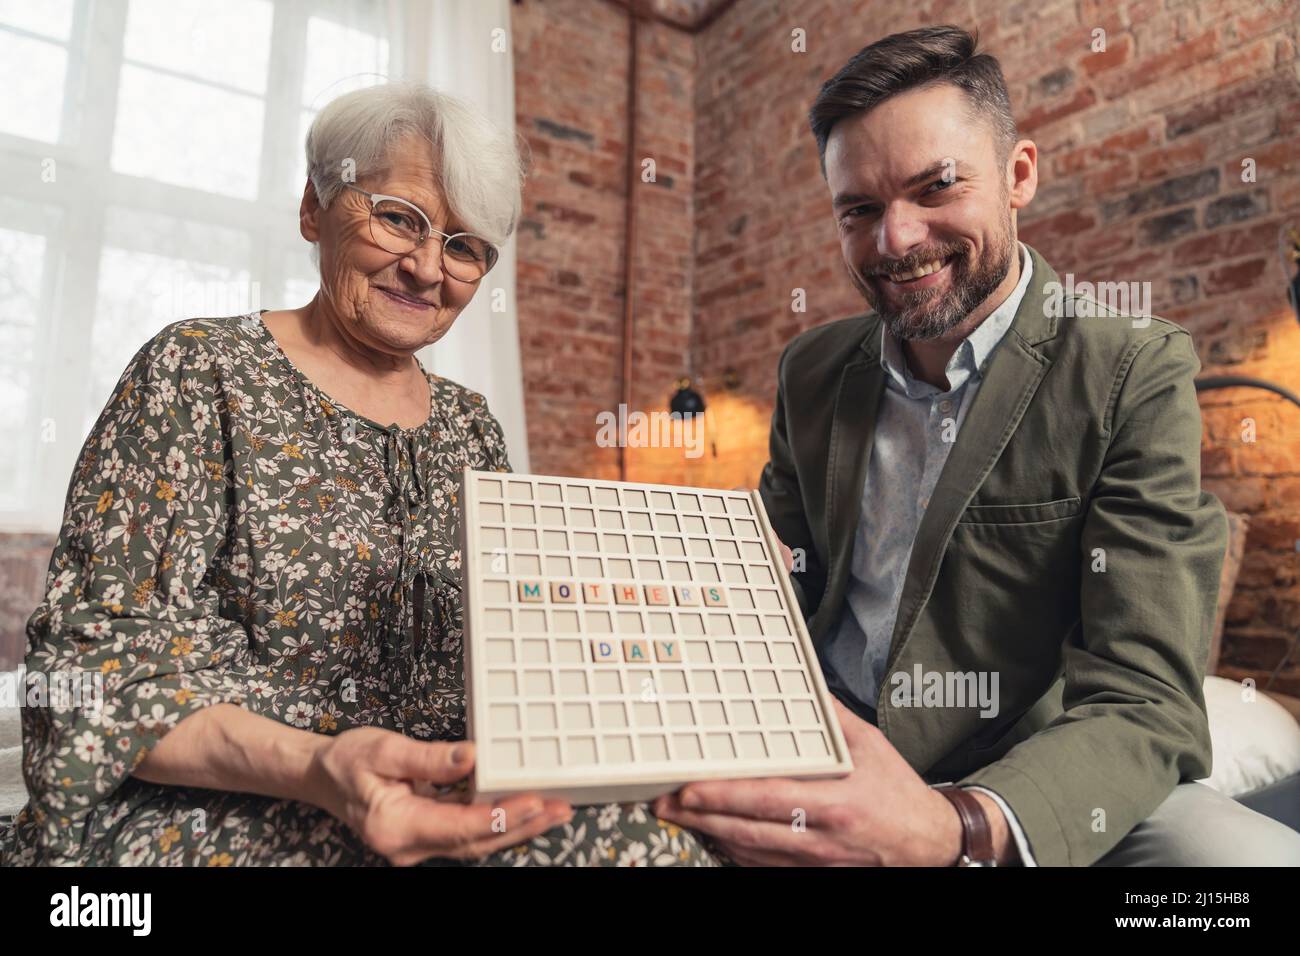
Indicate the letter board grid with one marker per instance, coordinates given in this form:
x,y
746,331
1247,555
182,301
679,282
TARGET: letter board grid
x,y
623,639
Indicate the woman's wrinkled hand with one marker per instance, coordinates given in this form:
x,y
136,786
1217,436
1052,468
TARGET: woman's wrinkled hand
x,y
368,778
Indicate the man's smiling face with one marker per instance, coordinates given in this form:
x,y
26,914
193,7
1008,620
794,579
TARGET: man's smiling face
x,y
917,181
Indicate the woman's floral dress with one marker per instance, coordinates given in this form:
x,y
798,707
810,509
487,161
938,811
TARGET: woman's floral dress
x,y
232,535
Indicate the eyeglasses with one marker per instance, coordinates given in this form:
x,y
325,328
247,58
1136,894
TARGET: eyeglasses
x,y
401,227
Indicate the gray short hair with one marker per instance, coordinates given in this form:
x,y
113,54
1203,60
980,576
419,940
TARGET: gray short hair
x,y
480,170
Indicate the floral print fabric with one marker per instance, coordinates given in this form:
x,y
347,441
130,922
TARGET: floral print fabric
x,y
232,535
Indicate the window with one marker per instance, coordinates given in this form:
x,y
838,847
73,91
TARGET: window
x,y
34,63
151,166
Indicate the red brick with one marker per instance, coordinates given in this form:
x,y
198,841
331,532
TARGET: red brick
x,y
1146,71
1098,247
1062,225
1111,176
1046,114
1115,55
1244,495
1225,244
1217,462
1271,160
1274,533
1226,104
1180,155
1231,278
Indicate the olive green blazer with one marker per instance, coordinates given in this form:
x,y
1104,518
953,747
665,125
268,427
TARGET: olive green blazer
x,y
1068,547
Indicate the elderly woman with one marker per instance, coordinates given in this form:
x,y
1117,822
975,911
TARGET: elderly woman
x,y
257,554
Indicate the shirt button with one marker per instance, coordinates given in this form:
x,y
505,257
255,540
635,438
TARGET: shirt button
x,y
925,502
945,406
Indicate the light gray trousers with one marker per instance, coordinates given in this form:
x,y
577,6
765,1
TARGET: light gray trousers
x,y
1198,826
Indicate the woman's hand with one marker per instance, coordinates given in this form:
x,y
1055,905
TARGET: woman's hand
x,y
367,778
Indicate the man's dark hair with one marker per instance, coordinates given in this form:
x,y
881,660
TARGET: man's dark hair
x,y
912,60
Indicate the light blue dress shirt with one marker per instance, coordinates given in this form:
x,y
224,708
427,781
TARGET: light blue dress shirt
x,y
916,426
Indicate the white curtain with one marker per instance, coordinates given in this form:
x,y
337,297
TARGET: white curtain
x,y
151,164
464,47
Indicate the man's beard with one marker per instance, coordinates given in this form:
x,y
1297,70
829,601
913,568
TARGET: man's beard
x,y
929,313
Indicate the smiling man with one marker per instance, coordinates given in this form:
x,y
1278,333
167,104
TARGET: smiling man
x,y
980,492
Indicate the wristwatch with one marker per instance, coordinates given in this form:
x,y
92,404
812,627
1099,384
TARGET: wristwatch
x,y
976,834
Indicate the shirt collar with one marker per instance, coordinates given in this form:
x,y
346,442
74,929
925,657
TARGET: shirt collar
x,y
973,352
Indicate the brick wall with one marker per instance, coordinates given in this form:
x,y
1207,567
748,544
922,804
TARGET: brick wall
x,y
1141,151
571,104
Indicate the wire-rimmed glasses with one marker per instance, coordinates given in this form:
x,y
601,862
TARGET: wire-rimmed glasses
x,y
400,227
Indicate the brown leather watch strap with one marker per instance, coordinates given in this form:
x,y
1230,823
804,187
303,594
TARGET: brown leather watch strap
x,y
977,835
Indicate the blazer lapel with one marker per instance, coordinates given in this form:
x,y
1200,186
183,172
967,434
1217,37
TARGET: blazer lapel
x,y
853,423
1010,380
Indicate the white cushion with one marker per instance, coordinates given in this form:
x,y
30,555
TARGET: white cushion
x,y
1256,741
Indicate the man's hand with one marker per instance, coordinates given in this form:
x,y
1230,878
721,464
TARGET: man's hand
x,y
882,814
